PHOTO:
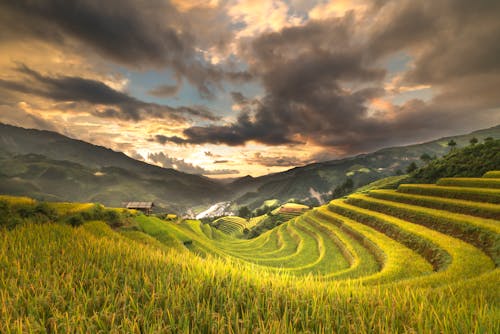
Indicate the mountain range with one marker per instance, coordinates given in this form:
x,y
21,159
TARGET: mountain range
x,y
49,166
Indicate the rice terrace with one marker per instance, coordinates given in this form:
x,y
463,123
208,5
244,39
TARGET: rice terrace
x,y
250,166
406,260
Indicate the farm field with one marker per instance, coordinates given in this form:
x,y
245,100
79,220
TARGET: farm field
x,y
419,259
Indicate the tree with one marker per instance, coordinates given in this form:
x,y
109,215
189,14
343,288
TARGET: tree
x,y
473,141
452,144
411,168
488,139
343,189
425,158
244,212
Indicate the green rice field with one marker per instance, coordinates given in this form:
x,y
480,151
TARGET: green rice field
x,y
419,259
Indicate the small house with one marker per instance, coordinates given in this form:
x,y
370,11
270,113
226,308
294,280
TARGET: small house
x,y
145,207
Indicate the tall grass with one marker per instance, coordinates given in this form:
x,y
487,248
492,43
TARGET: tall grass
x,y
384,262
61,279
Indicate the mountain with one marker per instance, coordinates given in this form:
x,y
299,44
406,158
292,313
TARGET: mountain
x,y
314,182
48,165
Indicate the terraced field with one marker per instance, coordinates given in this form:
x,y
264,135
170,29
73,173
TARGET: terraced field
x,y
233,225
418,234
419,259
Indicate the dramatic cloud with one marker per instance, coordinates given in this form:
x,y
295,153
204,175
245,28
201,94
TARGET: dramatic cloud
x,y
324,80
151,34
179,164
298,81
76,89
282,161
165,90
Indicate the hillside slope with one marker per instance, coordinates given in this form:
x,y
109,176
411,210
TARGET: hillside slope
x,y
47,165
407,261
309,181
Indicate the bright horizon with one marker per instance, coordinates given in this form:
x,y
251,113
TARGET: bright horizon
x,y
226,88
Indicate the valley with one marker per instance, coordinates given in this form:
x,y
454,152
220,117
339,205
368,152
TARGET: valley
x,y
388,257
410,259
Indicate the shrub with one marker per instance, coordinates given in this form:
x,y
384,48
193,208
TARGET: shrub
x,y
411,168
75,220
8,219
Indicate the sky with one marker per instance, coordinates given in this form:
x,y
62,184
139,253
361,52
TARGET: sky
x,y
227,88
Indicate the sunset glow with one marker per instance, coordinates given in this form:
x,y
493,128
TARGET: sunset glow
x,y
228,88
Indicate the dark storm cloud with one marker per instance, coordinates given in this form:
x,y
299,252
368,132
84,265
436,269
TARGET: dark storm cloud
x,y
165,90
271,160
321,78
151,34
93,92
186,167
238,133
164,139
451,38
239,98
122,30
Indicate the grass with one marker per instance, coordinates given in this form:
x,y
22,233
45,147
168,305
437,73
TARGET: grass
x,y
292,209
64,208
17,200
484,210
465,193
452,258
470,182
422,259
492,174
361,261
385,183
482,233
419,243
392,256
125,286
232,224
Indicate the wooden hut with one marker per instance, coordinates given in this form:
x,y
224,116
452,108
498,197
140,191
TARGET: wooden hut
x,y
146,207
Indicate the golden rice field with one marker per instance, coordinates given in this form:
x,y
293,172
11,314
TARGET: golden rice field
x,y
420,259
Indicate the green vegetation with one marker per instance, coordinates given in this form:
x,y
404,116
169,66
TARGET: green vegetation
x,y
232,224
492,174
469,194
390,182
19,210
50,167
485,210
274,218
469,182
345,188
470,161
416,259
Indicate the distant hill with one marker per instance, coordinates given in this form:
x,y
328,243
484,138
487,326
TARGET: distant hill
x,y
47,165
314,181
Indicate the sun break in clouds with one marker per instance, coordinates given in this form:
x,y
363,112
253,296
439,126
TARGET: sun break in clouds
x,y
261,85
